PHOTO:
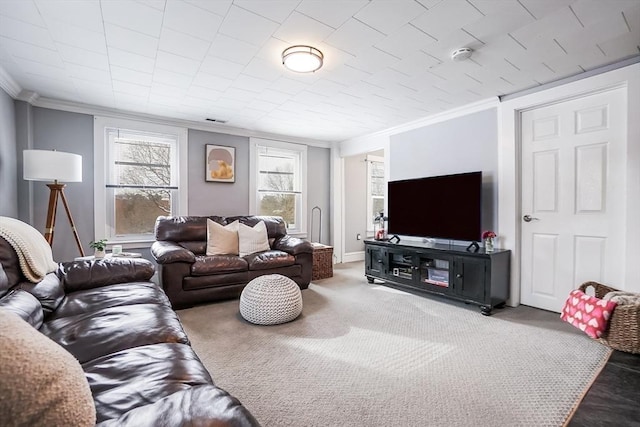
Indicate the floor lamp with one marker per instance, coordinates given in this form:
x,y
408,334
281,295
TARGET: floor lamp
x,y
56,166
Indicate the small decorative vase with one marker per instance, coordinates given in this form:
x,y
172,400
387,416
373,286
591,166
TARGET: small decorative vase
x,y
99,254
488,245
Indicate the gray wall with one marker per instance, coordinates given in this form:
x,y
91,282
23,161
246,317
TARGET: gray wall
x,y
46,129
8,157
217,198
319,191
463,144
355,196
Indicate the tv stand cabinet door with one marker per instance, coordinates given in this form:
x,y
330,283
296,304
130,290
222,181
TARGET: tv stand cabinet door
x,y
375,261
470,280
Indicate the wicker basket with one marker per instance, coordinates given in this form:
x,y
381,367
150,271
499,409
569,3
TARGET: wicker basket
x,y
322,262
624,325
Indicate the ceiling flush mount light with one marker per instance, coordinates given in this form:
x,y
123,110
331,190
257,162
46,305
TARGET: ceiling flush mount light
x,y
461,54
302,59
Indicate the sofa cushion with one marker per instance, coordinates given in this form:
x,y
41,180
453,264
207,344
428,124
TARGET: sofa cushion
x,y
49,291
40,383
97,333
253,239
269,259
227,280
217,264
204,405
139,376
222,239
25,305
120,294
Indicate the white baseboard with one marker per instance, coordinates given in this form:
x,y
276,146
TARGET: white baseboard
x,y
353,256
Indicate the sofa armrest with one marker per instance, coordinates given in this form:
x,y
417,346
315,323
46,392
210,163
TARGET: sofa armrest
x,y
168,252
205,406
293,245
78,275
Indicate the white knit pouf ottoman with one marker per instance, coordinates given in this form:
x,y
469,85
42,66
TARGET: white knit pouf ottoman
x,y
270,300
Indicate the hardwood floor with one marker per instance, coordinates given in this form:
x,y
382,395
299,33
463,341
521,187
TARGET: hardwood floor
x,y
614,397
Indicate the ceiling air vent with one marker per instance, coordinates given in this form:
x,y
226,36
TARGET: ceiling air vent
x,y
216,120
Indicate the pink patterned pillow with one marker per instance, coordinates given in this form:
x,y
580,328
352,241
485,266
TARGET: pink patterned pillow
x,y
587,313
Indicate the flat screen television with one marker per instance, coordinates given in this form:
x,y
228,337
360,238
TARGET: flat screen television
x,y
446,207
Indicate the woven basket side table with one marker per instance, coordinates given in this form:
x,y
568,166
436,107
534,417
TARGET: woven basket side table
x,y
322,262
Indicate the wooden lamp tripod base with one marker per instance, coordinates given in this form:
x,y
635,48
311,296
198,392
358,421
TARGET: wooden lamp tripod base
x,y
57,190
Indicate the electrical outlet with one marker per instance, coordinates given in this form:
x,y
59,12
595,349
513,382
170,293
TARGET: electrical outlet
x,y
358,236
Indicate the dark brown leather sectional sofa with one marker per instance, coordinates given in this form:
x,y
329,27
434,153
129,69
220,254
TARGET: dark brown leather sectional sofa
x,y
131,345
190,277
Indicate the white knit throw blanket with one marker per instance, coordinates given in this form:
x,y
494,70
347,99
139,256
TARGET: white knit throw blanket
x,y
34,253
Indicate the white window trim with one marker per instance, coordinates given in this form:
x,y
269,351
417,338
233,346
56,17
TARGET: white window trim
x,y
253,178
99,171
370,213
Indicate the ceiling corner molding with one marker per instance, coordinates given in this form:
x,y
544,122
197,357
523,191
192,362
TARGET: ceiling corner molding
x,y
8,84
28,96
94,110
376,140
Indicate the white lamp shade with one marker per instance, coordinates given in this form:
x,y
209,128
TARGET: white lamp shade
x,y
302,59
47,165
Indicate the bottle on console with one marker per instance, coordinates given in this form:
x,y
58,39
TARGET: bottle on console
x,y
379,227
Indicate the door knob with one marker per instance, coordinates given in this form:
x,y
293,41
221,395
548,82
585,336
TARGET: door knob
x,y
529,218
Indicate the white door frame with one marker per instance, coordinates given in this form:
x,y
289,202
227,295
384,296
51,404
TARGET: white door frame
x,y
509,179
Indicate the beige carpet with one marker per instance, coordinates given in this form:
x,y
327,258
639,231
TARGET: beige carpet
x,y
368,355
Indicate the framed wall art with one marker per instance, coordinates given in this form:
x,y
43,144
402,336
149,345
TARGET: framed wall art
x,y
220,163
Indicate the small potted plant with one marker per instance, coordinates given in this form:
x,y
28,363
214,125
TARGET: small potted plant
x,y
488,237
99,246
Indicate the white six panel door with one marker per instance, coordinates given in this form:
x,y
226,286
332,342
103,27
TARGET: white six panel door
x,y
573,179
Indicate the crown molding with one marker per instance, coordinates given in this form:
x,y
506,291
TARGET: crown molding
x,y
8,84
76,107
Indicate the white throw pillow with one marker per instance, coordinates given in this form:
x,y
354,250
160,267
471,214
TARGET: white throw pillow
x,y
253,239
222,239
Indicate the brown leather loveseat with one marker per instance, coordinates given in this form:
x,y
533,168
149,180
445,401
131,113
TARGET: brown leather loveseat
x,y
190,277
130,344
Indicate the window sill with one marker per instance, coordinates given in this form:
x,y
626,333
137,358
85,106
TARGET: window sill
x,y
131,244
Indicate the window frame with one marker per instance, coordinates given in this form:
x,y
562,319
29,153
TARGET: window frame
x,y
254,176
370,214
102,228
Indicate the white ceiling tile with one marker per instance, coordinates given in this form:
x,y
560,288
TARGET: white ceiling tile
x,y
332,16
165,90
72,35
275,96
134,16
25,11
261,105
346,75
132,61
442,49
621,47
171,78
86,73
156,4
372,60
219,7
326,87
446,17
501,17
178,64
276,10
590,12
233,50
560,23
288,86
249,83
190,19
24,32
86,87
415,64
183,44
158,99
405,41
265,70
388,16
611,27
542,8
31,52
43,70
76,55
198,102
300,29
131,41
221,67
205,93
212,82
131,76
236,93
84,14
273,48
129,99
353,36
132,89
247,26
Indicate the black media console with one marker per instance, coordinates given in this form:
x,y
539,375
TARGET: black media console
x,y
474,277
